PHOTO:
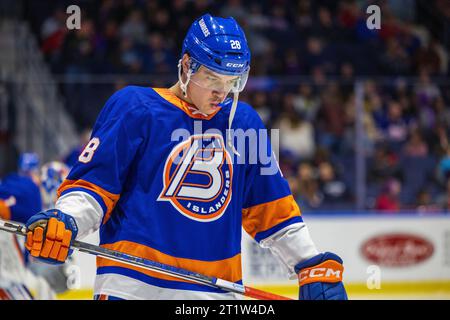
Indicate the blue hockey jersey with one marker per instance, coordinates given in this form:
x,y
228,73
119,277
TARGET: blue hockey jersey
x,y
20,198
175,194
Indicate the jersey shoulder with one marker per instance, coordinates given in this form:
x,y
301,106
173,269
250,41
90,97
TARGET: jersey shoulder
x,y
23,195
15,181
128,102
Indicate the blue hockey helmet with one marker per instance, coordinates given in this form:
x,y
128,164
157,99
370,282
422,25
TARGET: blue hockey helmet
x,y
28,162
220,45
52,175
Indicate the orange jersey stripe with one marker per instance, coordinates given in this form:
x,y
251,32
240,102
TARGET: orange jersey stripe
x,y
267,215
183,105
5,211
110,199
228,269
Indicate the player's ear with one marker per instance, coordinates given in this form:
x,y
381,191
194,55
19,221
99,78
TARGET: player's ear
x,y
185,63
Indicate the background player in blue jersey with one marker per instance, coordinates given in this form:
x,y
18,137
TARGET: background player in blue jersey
x,y
183,200
19,192
31,189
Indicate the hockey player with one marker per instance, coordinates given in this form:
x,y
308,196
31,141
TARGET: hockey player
x,y
182,199
19,192
19,198
22,194
51,176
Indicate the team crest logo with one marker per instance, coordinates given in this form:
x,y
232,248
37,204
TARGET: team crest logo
x,y
197,177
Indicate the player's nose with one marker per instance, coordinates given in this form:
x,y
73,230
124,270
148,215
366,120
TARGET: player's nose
x,y
218,95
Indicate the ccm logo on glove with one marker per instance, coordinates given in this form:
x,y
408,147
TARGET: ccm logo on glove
x,y
328,271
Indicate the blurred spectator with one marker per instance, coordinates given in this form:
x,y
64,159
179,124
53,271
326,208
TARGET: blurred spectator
x,y
296,135
306,172
348,14
53,31
396,129
160,21
303,18
333,190
306,102
309,196
431,57
134,27
370,135
157,57
385,164
291,62
53,23
416,146
109,42
79,48
392,26
278,20
403,9
235,9
388,199
325,26
395,60
255,24
256,19
331,119
130,60
316,55
347,73
425,203
426,91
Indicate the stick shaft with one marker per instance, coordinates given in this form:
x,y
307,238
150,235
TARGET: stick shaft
x,y
156,266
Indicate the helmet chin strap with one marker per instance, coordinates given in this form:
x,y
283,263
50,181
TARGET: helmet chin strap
x,y
183,87
230,122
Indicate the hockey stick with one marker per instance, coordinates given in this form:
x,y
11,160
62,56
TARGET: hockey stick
x,y
156,266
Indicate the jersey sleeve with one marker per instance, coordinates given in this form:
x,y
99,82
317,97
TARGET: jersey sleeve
x,y
102,167
268,203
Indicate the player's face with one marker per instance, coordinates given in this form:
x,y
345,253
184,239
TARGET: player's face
x,y
207,89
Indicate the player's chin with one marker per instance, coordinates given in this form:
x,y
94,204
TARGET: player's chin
x,y
211,108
